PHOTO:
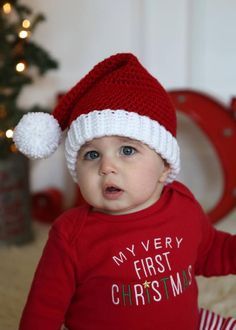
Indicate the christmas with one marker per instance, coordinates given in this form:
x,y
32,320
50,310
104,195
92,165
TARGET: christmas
x,y
137,294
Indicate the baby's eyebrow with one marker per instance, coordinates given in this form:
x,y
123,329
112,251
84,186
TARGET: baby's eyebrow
x,y
128,140
86,145
122,139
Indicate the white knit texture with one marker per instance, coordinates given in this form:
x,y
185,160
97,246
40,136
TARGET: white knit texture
x,y
122,123
37,135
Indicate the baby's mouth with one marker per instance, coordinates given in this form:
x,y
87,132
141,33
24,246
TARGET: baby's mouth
x,y
112,189
112,192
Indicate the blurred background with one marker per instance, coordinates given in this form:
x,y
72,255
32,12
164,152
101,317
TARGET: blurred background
x,y
185,44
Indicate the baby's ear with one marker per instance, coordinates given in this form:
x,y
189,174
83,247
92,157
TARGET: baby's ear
x,y
165,172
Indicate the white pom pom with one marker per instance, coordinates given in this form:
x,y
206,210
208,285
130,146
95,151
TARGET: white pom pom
x,y
37,135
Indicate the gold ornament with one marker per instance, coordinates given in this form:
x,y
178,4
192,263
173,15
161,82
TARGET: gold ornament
x,y
2,134
13,148
3,112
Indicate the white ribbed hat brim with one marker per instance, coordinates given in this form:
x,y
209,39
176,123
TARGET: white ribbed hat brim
x,y
99,123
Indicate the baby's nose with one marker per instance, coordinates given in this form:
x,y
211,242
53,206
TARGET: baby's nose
x,y
107,166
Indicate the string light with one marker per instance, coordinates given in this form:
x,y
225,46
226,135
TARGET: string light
x,y
23,34
7,8
20,67
26,23
9,133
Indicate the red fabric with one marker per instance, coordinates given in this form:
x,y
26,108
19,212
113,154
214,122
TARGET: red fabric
x,y
134,271
118,82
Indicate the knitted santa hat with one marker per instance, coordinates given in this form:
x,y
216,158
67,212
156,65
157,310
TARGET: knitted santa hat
x,y
117,97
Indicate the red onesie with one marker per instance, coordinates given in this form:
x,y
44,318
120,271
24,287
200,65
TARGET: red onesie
x,y
124,272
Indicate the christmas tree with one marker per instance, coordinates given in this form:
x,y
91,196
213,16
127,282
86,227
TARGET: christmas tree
x,y
18,55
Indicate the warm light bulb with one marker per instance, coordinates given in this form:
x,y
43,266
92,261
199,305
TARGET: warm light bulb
x,y
23,34
26,23
9,133
7,8
20,67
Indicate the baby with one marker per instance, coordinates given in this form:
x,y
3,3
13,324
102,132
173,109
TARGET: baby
x,y
129,258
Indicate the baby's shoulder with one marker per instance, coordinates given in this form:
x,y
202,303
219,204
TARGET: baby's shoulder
x,y
182,190
184,197
70,223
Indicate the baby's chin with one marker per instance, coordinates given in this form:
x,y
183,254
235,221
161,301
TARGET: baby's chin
x,y
118,210
113,210
109,211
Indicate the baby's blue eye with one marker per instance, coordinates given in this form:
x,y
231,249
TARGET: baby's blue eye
x,y
90,155
127,150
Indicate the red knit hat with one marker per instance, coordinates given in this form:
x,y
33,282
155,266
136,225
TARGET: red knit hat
x,y
117,97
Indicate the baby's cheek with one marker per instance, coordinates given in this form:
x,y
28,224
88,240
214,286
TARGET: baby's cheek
x,y
89,187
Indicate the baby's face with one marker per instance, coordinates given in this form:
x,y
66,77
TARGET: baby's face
x,y
118,175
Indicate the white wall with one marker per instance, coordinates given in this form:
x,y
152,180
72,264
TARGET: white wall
x,y
165,41
213,47
184,43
